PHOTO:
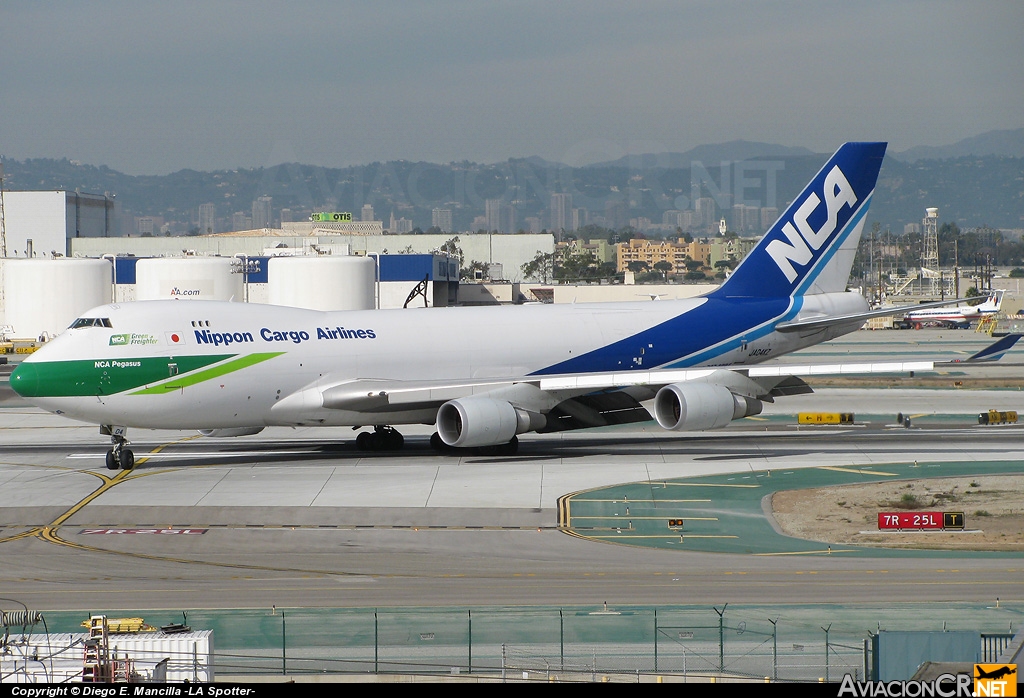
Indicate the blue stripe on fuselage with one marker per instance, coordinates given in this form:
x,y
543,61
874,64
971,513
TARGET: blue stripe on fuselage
x,y
714,327
706,357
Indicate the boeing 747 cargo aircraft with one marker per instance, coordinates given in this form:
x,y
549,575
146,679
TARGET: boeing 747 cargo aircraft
x,y
481,375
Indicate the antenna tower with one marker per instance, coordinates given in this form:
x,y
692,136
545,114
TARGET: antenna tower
x,y
930,251
3,227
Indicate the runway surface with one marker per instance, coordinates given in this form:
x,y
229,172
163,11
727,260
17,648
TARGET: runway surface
x,y
299,517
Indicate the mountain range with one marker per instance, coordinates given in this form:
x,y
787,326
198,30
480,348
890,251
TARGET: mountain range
x,y
1007,143
976,181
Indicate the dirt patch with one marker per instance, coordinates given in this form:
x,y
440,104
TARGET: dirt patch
x,y
848,514
881,380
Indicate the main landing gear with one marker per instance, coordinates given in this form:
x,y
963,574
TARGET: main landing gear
x,y
382,438
510,448
118,456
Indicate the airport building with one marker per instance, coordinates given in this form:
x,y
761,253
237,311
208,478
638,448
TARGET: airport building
x,y
706,251
43,223
507,252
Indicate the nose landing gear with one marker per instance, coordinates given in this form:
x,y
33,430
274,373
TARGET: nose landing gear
x,y
118,456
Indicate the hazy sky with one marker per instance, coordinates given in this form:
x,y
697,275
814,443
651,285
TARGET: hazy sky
x,y
153,87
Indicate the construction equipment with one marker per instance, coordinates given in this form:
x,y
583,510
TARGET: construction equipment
x,y
987,324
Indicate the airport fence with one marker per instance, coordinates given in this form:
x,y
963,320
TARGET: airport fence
x,y
732,642
546,644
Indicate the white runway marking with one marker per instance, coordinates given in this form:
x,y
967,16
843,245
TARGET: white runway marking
x,y
151,456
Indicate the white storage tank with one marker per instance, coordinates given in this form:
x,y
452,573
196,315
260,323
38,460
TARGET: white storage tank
x,y
322,283
46,295
191,278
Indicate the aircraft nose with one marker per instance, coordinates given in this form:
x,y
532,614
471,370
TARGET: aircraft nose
x,y
25,380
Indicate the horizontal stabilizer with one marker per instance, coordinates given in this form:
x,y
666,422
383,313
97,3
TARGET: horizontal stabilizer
x,y
817,323
993,352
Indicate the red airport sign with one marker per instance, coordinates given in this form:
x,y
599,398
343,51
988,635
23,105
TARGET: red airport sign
x,y
920,520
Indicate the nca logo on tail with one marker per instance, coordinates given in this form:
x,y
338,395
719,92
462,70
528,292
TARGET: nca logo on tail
x,y
803,244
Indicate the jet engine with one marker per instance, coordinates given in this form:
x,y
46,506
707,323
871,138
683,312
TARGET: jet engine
x,y
233,431
482,421
700,406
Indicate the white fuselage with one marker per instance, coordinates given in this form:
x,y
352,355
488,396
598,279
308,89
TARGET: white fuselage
x,y
958,313
261,354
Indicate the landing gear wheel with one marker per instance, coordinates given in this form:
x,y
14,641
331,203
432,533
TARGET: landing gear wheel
x,y
382,438
127,459
506,449
438,444
119,456
511,448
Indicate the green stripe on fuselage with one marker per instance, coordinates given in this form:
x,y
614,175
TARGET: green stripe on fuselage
x,y
184,381
82,378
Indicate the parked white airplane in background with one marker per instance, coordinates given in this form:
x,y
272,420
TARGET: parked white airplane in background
x,y
482,375
957,316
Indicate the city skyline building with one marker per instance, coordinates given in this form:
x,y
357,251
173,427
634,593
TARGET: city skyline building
x,y
442,218
579,218
262,216
207,219
241,221
561,213
501,217
492,212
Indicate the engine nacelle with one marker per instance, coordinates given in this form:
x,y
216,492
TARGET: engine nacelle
x,y
700,406
233,431
482,421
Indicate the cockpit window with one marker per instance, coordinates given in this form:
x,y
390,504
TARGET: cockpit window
x,y
90,322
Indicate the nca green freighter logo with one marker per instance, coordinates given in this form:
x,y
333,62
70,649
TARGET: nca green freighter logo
x,y
123,340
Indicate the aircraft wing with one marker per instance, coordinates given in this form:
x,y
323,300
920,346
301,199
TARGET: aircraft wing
x,y
708,397
544,393
660,378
